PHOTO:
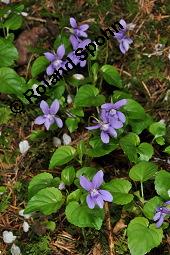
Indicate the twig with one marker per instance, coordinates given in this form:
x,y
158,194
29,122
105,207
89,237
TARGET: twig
x,y
147,90
110,232
36,19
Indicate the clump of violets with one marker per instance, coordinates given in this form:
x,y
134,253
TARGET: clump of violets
x,y
123,38
96,196
110,120
49,116
77,43
161,213
78,31
56,59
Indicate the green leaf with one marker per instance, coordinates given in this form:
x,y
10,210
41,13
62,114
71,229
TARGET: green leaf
x,y
11,83
3,189
13,22
134,110
145,151
89,172
157,129
8,53
87,96
149,208
5,115
68,174
143,237
99,149
119,188
46,201
143,171
39,182
129,144
74,196
72,123
62,155
162,184
39,66
82,216
111,75
140,125
167,149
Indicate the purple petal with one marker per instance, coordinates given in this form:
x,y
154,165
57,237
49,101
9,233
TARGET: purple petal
x,y
83,63
116,123
74,42
82,44
157,216
84,27
112,132
50,70
167,202
44,107
160,221
81,33
85,183
48,123
61,51
121,117
121,47
49,56
99,201
125,44
54,107
104,137
39,120
90,202
107,106
123,23
106,195
97,179
93,127
119,104
73,22
59,122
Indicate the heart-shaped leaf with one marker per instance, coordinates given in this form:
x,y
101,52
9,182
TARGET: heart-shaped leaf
x,y
142,237
82,216
162,184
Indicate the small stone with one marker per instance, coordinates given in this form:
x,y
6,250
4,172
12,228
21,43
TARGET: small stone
x,y
25,226
78,76
15,250
24,146
8,237
66,139
56,141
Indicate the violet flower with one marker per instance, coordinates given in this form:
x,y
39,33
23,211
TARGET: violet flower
x,y
96,196
78,31
122,38
49,115
161,213
77,43
110,113
55,59
110,119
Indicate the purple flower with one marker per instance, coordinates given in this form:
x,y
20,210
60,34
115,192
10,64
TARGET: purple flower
x,y
49,115
122,38
96,196
77,43
110,113
110,119
78,31
55,59
160,214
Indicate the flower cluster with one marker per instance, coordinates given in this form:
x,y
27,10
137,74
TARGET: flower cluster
x,y
96,196
122,38
161,213
110,120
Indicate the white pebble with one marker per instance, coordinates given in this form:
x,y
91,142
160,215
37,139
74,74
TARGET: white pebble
x,y
78,76
66,139
24,146
8,237
5,1
61,186
25,226
56,141
26,216
15,250
69,99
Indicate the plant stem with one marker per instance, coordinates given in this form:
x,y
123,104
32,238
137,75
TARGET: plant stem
x,y
141,185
